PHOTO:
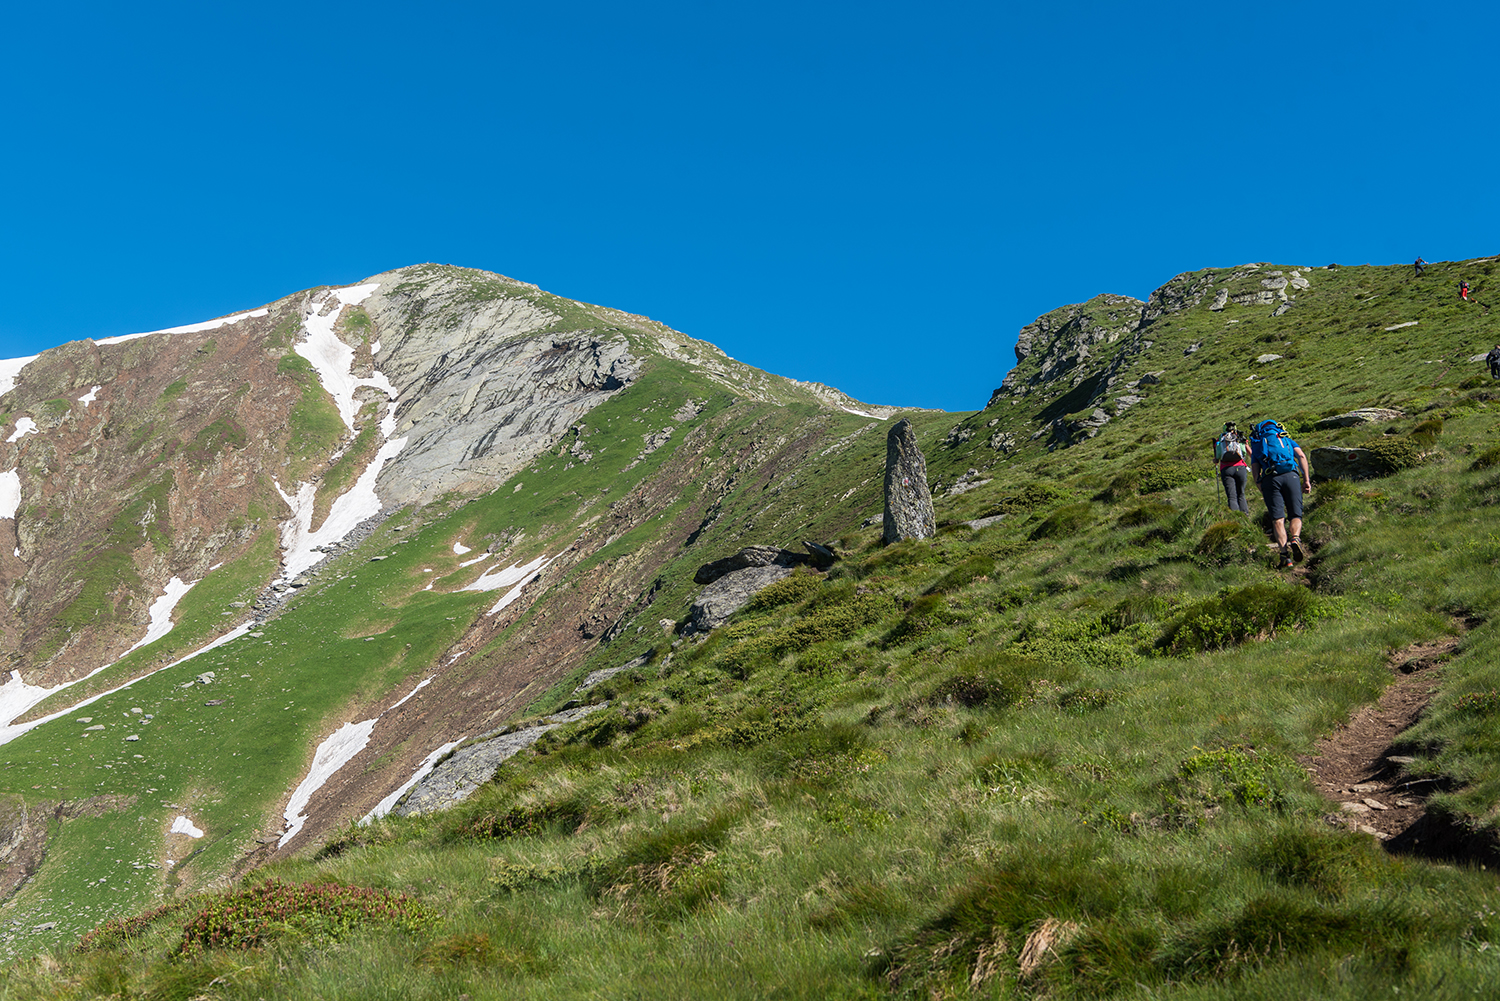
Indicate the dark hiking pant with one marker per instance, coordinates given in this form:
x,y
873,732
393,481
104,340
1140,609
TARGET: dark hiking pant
x,y
1233,479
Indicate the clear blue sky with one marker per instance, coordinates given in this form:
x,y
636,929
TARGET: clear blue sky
x,y
874,195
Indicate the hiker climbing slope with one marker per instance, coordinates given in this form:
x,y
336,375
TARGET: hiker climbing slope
x,y
1463,291
1229,450
1494,361
1418,265
1279,466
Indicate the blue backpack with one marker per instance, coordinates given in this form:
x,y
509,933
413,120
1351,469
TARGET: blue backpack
x,y
1271,447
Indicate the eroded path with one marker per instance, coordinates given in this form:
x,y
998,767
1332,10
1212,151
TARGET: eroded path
x,y
1356,768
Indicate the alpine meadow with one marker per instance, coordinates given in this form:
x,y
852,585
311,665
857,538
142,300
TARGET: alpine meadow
x,y
437,637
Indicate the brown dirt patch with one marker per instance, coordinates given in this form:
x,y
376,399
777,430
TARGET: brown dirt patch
x,y
1357,768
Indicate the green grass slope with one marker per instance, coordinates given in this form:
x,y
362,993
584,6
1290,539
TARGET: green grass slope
x,y
1057,756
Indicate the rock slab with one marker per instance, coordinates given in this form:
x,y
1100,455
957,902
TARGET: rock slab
x,y
1366,415
908,501
728,595
750,556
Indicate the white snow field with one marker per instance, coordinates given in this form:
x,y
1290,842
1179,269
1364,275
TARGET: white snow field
x,y
516,574
459,549
333,360
24,426
16,696
90,396
10,494
161,612
331,755
10,370
187,328
182,825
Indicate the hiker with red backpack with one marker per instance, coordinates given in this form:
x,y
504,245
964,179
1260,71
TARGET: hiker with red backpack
x,y
1229,450
1463,291
1279,466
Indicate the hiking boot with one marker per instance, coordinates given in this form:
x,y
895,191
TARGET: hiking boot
x,y
1286,559
1297,553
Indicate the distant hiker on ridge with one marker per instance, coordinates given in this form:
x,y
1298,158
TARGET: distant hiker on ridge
x,y
1229,449
1463,291
1494,359
1419,264
1276,462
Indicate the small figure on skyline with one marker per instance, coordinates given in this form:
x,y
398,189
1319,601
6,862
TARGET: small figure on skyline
x,y
1275,462
1419,264
1494,359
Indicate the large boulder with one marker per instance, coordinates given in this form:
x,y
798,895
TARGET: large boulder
x,y
728,595
908,501
750,556
1365,415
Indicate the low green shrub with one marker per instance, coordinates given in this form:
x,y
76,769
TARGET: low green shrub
x,y
527,821
962,575
1146,513
322,912
994,681
1065,522
787,591
1081,701
1158,476
1226,776
1219,536
1478,703
1484,460
1134,609
1394,453
1232,617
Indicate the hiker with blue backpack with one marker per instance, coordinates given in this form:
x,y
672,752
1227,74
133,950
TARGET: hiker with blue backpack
x,y
1279,466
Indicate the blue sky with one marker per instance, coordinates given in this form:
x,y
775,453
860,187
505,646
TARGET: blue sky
x,y
873,195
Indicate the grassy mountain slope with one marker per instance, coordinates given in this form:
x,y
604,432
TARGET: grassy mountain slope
x,y
1058,755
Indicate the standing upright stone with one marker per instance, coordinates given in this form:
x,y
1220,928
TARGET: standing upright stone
x,y
908,502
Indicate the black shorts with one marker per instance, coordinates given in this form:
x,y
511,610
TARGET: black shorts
x,y
1282,493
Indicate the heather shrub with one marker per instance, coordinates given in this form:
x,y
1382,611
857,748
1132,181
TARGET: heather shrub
x,y
327,912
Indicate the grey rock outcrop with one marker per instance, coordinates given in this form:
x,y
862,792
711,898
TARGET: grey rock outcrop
x,y
1267,359
1060,342
1335,463
1365,415
750,556
1072,430
456,777
908,501
728,595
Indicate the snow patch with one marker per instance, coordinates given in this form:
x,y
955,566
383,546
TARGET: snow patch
x,y
161,612
10,494
459,549
480,558
298,539
17,697
190,328
10,371
428,764
90,396
24,426
517,574
182,825
851,410
333,754
333,360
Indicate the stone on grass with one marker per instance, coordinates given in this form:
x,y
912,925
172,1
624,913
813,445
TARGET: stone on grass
x,y
1365,415
908,501
728,595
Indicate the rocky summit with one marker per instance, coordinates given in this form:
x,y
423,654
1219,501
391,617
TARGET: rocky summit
x,y
438,636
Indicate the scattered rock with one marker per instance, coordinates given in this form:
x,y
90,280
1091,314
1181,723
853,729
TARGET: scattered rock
x,y
133,736
1354,808
605,673
1408,323
456,777
908,502
1192,349
1151,378
1220,301
1366,415
206,678
1281,309
1267,359
1374,804
215,702
728,595
750,556
979,523
1072,430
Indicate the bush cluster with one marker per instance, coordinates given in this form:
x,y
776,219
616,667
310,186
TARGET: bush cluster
x,y
1232,617
321,911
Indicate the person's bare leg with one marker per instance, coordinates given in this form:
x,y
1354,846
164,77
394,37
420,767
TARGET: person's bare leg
x,y
1297,539
1278,529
